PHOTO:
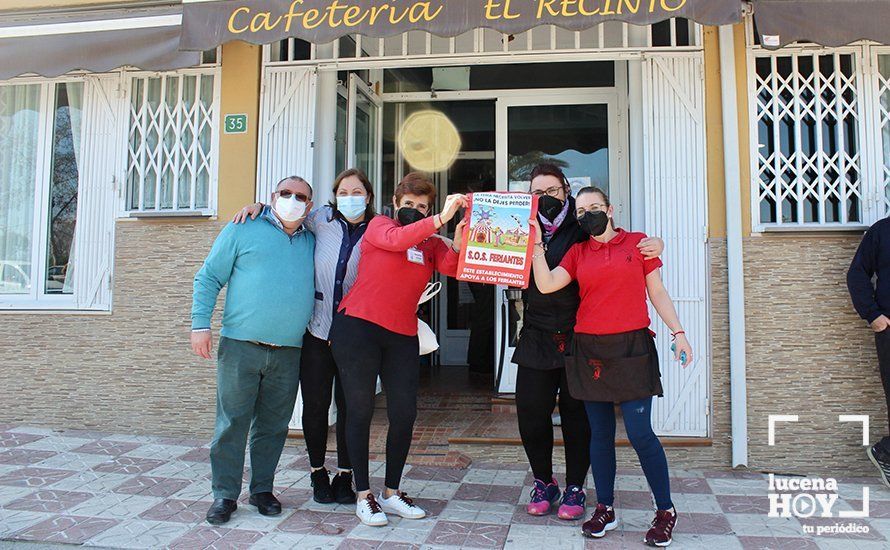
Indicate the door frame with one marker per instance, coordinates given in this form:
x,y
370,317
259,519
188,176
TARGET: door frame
x,y
356,86
619,188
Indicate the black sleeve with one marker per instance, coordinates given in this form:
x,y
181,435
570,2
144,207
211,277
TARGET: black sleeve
x,y
862,269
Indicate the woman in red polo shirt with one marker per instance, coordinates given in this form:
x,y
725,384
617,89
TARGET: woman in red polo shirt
x,y
375,333
613,358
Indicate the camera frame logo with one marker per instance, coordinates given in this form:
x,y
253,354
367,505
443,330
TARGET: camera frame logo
x,y
814,497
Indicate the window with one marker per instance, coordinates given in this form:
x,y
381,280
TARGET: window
x,y
807,136
42,161
171,164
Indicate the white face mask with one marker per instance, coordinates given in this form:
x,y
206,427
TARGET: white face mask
x,y
289,209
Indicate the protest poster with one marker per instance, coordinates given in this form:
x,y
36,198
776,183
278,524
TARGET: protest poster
x,y
497,242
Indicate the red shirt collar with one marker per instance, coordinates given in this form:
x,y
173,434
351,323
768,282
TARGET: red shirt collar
x,y
617,239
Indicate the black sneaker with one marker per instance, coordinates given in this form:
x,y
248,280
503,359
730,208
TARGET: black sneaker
x,y
880,458
341,486
321,487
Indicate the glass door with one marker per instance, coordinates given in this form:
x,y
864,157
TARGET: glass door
x,y
365,135
464,309
579,132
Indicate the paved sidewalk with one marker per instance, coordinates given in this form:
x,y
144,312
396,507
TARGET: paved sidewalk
x,y
124,491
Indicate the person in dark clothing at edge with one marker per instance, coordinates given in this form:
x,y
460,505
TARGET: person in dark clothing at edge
x,y
872,303
548,323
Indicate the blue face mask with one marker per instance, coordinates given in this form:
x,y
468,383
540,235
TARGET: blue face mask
x,y
351,206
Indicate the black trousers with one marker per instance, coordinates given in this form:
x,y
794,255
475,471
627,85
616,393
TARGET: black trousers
x,y
363,351
882,343
318,374
536,394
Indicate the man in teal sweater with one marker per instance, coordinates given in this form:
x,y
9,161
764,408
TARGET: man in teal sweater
x,y
267,264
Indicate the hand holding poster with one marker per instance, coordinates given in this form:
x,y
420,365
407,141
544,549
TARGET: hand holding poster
x,y
497,242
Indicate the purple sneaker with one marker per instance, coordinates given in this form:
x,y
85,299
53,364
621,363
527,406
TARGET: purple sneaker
x,y
573,500
543,497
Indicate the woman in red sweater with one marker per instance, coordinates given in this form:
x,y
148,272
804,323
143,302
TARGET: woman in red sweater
x,y
613,357
375,333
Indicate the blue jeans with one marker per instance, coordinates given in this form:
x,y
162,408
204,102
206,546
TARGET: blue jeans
x,y
256,388
637,422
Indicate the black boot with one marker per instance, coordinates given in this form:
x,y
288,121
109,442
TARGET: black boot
x,y
321,487
221,511
266,504
341,486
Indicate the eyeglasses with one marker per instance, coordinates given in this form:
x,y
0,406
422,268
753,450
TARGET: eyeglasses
x,y
597,206
284,193
552,191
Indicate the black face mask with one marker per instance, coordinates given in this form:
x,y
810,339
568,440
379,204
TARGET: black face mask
x,y
549,207
594,223
407,216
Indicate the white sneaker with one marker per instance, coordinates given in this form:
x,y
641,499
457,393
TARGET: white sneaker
x,y
369,512
400,505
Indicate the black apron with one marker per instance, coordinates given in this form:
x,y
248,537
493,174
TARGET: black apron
x,y
614,367
542,350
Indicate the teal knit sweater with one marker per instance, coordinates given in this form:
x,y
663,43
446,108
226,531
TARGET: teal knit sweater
x,y
270,276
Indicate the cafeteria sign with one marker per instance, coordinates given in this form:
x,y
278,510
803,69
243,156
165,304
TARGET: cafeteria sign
x,y
209,23
497,242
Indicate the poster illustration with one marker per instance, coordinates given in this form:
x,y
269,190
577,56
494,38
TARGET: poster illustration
x,y
497,244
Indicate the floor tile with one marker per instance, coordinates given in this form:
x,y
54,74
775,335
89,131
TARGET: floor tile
x,y
429,473
180,511
319,523
277,541
488,493
13,521
762,525
495,477
47,500
9,494
521,537
90,482
152,486
158,451
468,535
128,465
115,506
106,447
138,533
12,439
55,443
733,486
33,477
21,456
774,543
214,538
183,470
478,511
195,490
66,529
73,461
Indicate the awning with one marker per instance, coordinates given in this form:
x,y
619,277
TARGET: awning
x,y
826,22
209,23
94,40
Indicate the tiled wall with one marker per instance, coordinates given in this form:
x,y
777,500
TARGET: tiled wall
x,y
808,354
131,371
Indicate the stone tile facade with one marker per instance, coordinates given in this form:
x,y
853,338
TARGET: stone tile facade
x,y
809,354
131,371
